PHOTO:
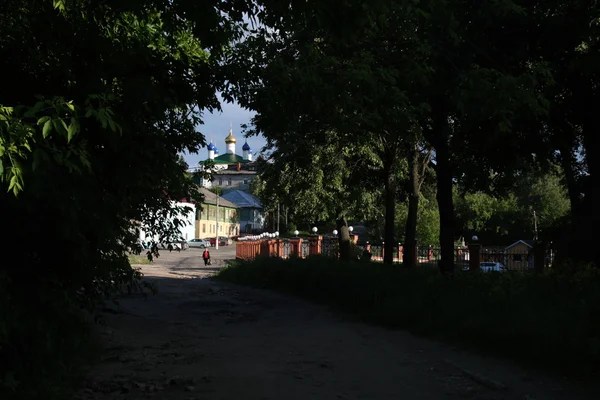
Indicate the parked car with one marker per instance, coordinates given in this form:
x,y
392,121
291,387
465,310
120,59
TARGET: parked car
x,y
223,241
179,245
199,243
489,266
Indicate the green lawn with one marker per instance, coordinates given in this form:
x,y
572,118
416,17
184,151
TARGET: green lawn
x,y
135,259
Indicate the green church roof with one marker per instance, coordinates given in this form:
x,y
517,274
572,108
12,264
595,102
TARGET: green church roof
x,y
229,159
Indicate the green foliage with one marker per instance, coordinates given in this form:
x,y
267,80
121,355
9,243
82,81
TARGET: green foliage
x,y
428,225
546,195
98,100
550,319
484,214
319,184
135,259
23,131
62,339
218,190
509,216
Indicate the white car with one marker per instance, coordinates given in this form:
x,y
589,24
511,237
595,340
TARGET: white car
x,y
199,243
489,266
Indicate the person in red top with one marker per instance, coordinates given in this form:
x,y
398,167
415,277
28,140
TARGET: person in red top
x,y
206,257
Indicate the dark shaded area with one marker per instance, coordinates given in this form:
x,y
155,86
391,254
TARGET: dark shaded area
x,y
549,320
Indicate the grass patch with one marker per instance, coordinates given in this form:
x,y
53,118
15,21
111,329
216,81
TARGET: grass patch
x,y
137,259
551,320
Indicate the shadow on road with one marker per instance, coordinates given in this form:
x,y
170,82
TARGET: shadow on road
x,y
200,338
195,269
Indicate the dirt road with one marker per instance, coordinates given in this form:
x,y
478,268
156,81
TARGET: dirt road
x,y
200,339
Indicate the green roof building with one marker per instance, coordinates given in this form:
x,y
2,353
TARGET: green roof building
x,y
229,157
231,171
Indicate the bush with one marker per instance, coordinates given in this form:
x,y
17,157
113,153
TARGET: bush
x,y
45,340
553,318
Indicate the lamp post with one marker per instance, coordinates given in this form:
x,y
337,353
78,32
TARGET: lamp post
x,y
296,233
217,225
314,230
351,228
335,232
474,255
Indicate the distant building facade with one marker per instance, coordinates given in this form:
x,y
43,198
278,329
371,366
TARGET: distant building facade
x,y
250,210
208,215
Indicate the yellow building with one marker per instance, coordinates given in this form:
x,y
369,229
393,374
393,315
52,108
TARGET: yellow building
x,y
206,217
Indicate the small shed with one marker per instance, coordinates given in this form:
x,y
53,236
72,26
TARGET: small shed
x,y
519,255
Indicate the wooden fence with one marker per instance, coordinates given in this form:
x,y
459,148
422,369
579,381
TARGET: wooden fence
x,y
469,257
319,245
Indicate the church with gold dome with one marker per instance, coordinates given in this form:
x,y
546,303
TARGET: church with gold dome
x,y
233,174
231,171
230,157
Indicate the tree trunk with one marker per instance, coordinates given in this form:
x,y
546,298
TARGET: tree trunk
x,y
444,195
344,238
390,212
410,235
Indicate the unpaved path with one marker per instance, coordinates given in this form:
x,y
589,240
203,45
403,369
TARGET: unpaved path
x,y
200,339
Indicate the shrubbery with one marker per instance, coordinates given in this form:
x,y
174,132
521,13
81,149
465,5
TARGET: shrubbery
x,y
45,340
90,145
553,318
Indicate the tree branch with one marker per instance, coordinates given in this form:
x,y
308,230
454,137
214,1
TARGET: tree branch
x,y
426,163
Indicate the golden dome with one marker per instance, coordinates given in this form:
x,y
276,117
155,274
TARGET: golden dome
x,y
230,138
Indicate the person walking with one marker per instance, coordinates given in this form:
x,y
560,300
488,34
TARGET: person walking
x,y
206,257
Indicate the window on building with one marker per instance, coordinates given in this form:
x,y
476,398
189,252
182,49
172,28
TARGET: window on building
x,y
229,182
220,181
245,181
203,228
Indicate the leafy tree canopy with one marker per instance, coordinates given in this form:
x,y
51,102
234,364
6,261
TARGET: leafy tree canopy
x,y
98,100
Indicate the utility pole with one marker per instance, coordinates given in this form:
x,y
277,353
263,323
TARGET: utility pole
x,y
277,217
217,221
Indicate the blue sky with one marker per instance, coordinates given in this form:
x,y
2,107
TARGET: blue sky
x,y
216,125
